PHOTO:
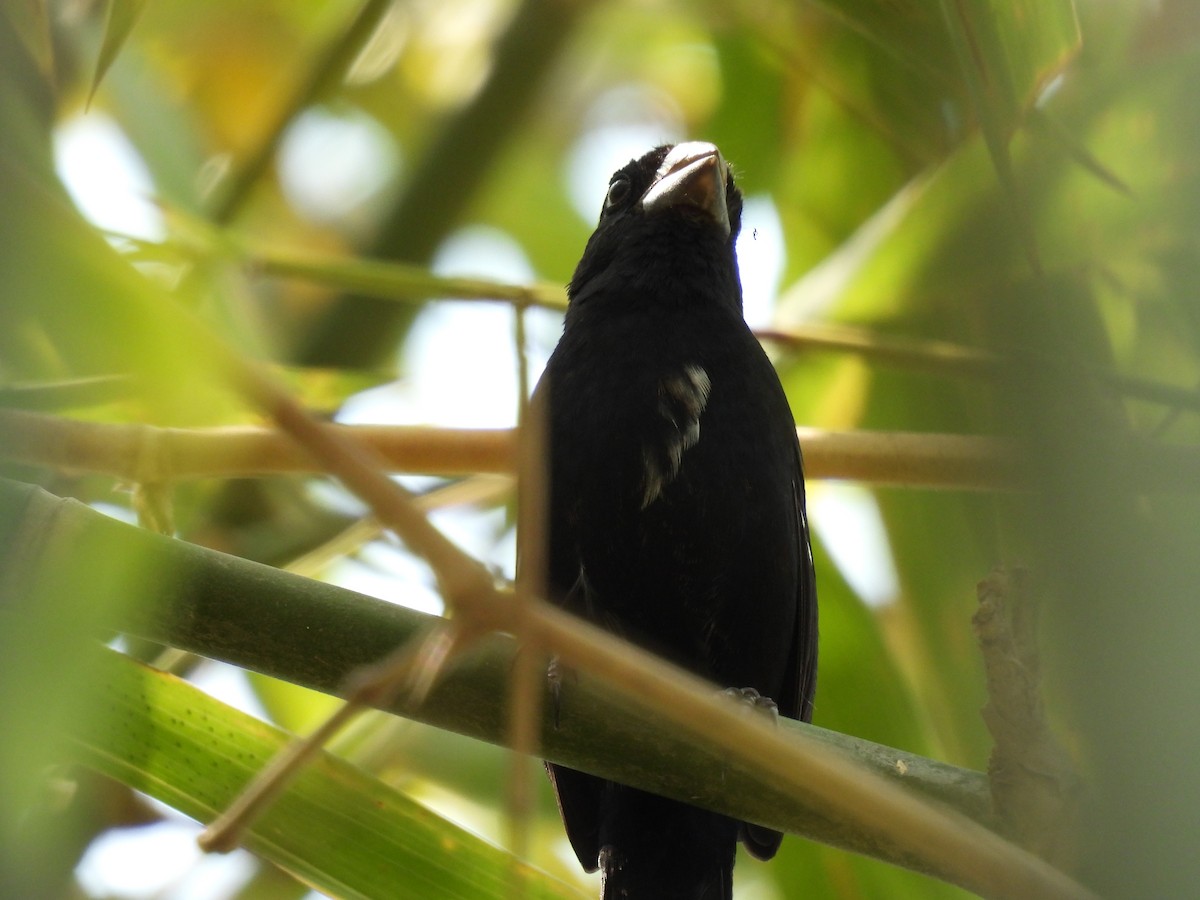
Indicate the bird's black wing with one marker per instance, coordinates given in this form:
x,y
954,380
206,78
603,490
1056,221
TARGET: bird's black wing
x,y
800,683
579,795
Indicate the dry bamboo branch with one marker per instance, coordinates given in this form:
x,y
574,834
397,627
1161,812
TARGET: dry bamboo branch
x,y
143,453
140,453
905,458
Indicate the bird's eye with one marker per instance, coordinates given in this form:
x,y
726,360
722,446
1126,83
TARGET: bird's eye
x,y
618,190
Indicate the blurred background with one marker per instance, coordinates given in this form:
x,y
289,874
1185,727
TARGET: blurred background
x,y
1018,178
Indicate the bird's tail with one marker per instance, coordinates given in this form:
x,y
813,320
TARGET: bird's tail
x,y
658,849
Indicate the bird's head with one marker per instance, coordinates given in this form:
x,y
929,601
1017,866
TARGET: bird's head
x,y
669,218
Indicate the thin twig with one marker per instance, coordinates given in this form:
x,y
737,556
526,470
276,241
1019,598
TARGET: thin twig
x,y
410,670
956,360
68,393
529,670
225,832
403,282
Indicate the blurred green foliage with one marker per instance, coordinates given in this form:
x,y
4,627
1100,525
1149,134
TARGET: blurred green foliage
x,y
1017,176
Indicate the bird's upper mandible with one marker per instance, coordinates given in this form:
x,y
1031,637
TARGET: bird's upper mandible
x,y
692,174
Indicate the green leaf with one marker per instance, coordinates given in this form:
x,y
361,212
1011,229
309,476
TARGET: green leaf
x,y
338,829
1037,40
1009,52
121,16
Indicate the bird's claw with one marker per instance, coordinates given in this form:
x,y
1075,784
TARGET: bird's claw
x,y
750,699
554,679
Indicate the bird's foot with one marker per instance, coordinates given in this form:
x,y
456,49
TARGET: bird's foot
x,y
554,680
751,700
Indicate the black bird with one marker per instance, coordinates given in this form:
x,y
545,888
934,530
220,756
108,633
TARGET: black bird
x,y
676,498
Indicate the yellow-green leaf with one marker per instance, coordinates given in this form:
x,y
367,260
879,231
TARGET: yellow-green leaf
x,y
32,25
338,829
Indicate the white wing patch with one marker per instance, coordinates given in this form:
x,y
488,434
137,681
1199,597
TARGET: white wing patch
x,y
681,400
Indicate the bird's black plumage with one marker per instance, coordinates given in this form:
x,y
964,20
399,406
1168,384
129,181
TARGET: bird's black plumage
x,y
676,498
